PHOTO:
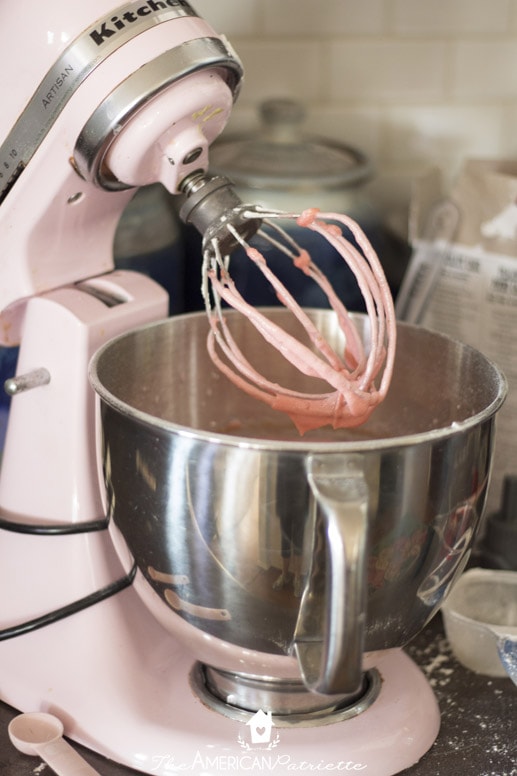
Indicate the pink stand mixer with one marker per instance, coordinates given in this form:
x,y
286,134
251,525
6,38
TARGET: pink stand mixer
x,y
107,100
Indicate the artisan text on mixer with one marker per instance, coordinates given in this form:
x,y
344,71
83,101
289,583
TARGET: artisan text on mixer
x,y
58,83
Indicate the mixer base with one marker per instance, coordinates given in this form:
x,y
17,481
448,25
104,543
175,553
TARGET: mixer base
x,y
121,686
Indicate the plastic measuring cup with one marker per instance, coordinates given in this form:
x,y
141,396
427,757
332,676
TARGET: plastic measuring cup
x,y
480,618
41,734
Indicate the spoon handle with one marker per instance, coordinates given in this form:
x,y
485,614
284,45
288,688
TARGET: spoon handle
x,y
63,759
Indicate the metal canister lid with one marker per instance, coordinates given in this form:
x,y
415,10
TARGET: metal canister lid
x,y
282,157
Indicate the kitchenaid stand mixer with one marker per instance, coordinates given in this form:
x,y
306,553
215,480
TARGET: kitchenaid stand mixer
x,y
133,97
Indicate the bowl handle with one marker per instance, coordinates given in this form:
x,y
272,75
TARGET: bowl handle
x,y
329,634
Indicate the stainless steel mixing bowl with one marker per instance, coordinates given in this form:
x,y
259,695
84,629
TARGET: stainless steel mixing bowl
x,y
276,555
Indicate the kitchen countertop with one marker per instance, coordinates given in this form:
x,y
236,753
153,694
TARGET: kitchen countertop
x,y
478,735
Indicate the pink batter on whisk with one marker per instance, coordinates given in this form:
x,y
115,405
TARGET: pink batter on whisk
x,y
352,375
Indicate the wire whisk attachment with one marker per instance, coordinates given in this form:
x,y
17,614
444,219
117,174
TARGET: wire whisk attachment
x,y
358,378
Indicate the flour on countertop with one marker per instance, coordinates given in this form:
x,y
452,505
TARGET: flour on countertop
x,y
472,727
436,661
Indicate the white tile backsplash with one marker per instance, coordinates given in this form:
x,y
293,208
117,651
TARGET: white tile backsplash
x,y
442,132
230,17
329,18
387,70
509,131
279,69
451,17
409,81
484,68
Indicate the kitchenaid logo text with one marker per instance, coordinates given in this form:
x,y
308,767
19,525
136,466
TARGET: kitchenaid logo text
x,y
257,763
116,23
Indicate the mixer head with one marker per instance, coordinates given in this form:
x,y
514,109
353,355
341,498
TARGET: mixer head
x,y
133,97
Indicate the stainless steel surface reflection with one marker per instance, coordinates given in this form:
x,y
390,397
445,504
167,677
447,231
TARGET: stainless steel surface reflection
x,y
258,545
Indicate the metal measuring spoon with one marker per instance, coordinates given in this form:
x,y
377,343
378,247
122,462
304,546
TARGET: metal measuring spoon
x,y
41,735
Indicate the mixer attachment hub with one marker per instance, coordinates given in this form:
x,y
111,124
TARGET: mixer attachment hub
x,y
211,206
